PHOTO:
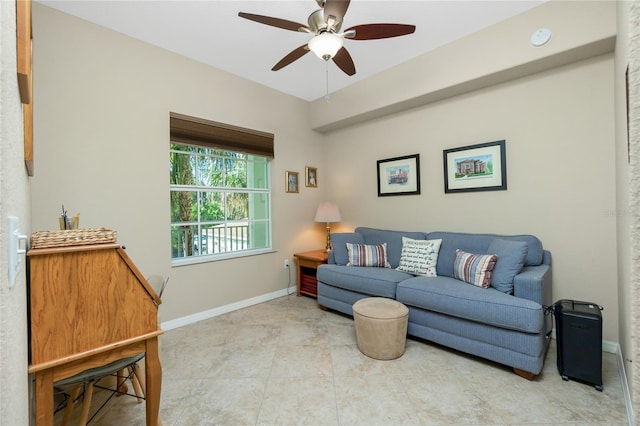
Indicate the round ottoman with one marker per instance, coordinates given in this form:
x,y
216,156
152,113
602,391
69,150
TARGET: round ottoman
x,y
381,327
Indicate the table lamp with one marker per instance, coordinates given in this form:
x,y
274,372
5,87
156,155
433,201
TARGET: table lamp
x,y
328,212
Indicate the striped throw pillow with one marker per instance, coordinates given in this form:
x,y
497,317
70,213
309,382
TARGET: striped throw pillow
x,y
474,269
368,255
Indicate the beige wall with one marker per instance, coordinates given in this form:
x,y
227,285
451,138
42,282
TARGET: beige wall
x,y
559,132
14,201
101,132
623,207
497,54
101,148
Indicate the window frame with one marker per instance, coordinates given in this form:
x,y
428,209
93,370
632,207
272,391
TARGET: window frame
x,y
222,138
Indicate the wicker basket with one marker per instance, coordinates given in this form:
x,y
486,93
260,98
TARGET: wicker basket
x,y
72,237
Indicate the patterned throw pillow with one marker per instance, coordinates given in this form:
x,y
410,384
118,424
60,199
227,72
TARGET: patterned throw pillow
x,y
419,257
368,255
474,269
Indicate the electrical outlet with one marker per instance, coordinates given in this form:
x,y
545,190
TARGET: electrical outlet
x,y
286,264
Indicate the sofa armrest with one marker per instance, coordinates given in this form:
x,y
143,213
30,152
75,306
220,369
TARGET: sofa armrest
x,y
534,283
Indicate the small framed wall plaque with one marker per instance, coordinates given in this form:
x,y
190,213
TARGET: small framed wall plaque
x,y
311,174
292,181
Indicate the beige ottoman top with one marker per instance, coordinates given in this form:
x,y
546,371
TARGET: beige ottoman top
x,y
380,308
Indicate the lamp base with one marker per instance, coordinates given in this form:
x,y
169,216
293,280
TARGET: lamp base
x,y
328,247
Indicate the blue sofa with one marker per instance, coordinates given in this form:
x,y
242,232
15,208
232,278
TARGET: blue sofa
x,y
505,323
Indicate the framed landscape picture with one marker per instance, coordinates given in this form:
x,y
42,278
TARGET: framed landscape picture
x,y
399,176
481,167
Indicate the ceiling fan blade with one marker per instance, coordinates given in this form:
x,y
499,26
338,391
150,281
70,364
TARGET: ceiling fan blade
x,y
378,31
344,62
294,55
274,22
336,8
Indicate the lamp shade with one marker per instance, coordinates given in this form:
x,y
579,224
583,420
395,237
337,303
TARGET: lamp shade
x,y
328,212
325,45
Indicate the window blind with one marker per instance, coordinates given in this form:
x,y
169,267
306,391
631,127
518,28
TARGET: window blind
x,y
198,131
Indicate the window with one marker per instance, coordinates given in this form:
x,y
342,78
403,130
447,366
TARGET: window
x,y
220,200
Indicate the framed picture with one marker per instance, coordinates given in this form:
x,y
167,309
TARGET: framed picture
x,y
25,84
312,177
399,176
481,167
291,181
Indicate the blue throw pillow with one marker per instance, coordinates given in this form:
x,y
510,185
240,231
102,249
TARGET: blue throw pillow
x,y
511,255
339,242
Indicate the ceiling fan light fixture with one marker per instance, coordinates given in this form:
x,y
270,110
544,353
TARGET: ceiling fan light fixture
x,y
327,42
325,45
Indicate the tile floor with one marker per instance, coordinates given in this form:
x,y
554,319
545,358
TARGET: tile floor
x,y
287,362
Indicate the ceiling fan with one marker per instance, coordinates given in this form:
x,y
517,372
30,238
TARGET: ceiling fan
x,y
327,42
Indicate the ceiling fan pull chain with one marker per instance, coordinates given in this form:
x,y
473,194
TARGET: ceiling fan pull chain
x,y
326,97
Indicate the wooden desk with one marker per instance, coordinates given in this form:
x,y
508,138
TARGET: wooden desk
x,y
308,263
88,306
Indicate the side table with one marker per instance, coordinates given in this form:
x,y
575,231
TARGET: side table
x,y
308,263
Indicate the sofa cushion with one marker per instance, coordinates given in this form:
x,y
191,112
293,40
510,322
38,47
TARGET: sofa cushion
x,y
366,280
488,306
500,344
511,255
419,257
339,242
473,268
368,255
478,243
392,238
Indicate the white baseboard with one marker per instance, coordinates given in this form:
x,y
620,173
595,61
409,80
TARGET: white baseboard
x,y
625,386
610,347
190,319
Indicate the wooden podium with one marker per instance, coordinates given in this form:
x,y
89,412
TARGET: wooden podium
x,y
89,305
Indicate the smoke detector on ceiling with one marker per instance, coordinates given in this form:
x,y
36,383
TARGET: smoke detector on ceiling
x,y
540,37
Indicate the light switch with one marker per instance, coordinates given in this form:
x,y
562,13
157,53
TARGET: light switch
x,y
15,252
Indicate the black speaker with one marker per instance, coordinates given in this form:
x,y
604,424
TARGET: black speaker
x,y
579,341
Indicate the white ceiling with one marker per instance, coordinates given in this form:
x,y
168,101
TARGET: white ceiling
x,y
210,31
